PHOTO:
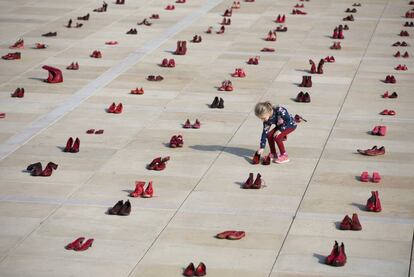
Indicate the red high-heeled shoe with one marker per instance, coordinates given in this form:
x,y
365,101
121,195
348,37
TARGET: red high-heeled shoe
x,y
329,260
149,191
68,145
75,244
189,270
139,189
154,162
201,270
85,246
76,145
118,108
112,108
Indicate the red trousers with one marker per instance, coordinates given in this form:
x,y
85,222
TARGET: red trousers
x,y
279,140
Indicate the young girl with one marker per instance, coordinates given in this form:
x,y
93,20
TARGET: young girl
x,y
283,121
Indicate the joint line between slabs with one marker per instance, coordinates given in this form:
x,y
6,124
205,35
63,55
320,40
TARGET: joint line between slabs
x,y
326,142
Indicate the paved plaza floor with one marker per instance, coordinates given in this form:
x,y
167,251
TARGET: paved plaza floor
x,y
291,224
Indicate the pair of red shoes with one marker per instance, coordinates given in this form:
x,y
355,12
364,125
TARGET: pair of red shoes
x,y
376,178
351,224
158,163
78,244
405,55
253,184
404,34
401,67
40,46
271,36
336,45
239,72
181,47
231,235
145,22
254,60
96,54
226,85
256,160
154,78
132,31
374,151
196,39
280,19
297,11
267,49
72,147
176,141
388,112
180,1
228,12
222,29
12,56
402,44
348,10
301,6
390,79
170,7
337,256
111,42
36,169
140,191
188,125
338,33
168,63
191,270
387,95
374,203
409,14
303,97
73,66
409,24
155,16
236,5
349,18
18,44
313,69
138,91
115,108
379,131
281,29
298,118
55,75
329,59
97,132
306,82
19,93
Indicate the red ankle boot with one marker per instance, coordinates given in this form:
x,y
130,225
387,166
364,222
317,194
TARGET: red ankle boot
x,y
346,223
55,75
249,182
257,184
139,189
313,67
149,191
330,259
49,169
340,259
355,225
256,158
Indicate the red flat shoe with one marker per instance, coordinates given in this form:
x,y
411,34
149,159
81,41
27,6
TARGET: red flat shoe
x,y
138,91
139,189
236,235
18,44
201,270
267,49
356,225
171,63
376,178
149,191
375,131
84,246
364,176
346,223
111,42
164,62
99,132
69,144
189,270
75,244
225,234
12,56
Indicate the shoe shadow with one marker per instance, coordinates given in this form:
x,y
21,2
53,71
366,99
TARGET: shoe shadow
x,y
169,51
237,151
337,225
61,148
358,178
36,78
240,184
128,190
294,100
321,258
361,207
303,70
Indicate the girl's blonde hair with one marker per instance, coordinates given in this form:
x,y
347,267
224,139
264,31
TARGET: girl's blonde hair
x,y
263,108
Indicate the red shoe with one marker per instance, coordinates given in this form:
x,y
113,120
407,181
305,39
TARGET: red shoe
x,y
171,63
187,124
393,95
69,144
111,108
397,55
266,159
375,131
225,234
154,162
99,132
267,49
376,178
90,131
84,246
340,259
155,16
406,55
373,203
55,75
164,63
75,147
149,191
222,29
201,270
48,169
173,142
256,158
356,225
196,125
190,270
119,108
111,42
73,66
138,91
12,56
249,182
236,235
75,244
18,44
179,140
19,93
2,115
40,46
257,184
382,131
139,189
346,223
364,176
329,260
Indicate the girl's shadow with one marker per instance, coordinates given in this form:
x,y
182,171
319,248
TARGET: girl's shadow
x,y
237,151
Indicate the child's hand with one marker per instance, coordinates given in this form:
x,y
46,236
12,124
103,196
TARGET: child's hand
x,y
260,151
280,121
